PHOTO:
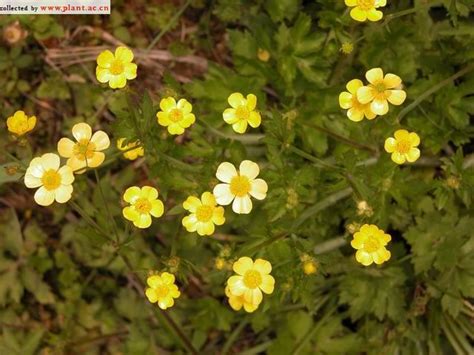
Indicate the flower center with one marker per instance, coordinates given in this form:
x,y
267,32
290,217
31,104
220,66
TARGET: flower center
x,y
161,291
51,180
84,149
380,87
204,213
403,146
142,205
176,115
372,244
240,186
252,279
242,113
366,4
116,68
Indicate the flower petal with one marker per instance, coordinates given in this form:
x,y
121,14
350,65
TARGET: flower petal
x,y
157,208
66,147
101,140
242,205
268,284
249,169
63,193
50,161
240,126
398,158
263,266
143,221
192,203
130,213
229,116
82,131
32,181
365,94
396,97
167,104
123,54
208,199
390,145
258,189
251,102
105,58
363,257
355,115
225,172
414,139
379,107
185,106
44,197
374,76
96,160
358,14
243,265
374,15
254,119
345,100
223,195
413,155
132,194
148,192
236,99
353,85
67,176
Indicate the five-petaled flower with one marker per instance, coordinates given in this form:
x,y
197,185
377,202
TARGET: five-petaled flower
x,y
370,242
239,186
251,280
54,182
162,290
86,152
176,116
204,214
380,90
20,123
129,152
363,10
144,203
348,100
116,68
403,147
237,302
242,112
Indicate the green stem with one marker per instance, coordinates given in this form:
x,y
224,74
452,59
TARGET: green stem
x,y
109,215
312,158
329,245
432,90
233,337
11,156
246,138
89,220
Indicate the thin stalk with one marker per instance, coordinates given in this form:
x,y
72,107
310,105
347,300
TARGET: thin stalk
x,y
432,90
233,337
312,158
89,220
246,138
109,215
8,154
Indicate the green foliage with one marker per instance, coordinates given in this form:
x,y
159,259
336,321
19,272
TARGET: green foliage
x,y
71,276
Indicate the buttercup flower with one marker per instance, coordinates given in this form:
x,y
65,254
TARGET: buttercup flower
x,y
347,47
87,151
144,203
54,182
239,186
20,123
130,154
175,116
366,9
242,112
348,100
381,89
162,289
403,146
204,214
237,302
251,280
263,55
370,242
116,68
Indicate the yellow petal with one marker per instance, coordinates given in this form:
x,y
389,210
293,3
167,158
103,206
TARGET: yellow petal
x,y
350,2
353,85
401,134
123,54
190,222
218,216
143,221
96,160
392,81
225,172
258,189
105,59
185,106
157,208
187,120
208,199
31,122
205,228
254,296
63,193
101,140
67,176
132,194
148,192
167,104
251,102
130,71
355,115
229,116
374,76
390,145
236,303
103,75
175,129
363,257
66,147
398,158
236,285
223,195
345,100
368,113
117,81
154,281
151,295
167,278
396,97
413,155
365,94
380,256
379,107
44,197
263,266
32,181
192,203
240,126
374,15
414,139
242,205
130,213
50,161
77,166
268,284
242,265
236,99
254,119
249,169
82,131
358,14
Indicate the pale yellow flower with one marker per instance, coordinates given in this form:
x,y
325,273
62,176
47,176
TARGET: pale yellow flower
x,y
239,186
54,182
177,116
242,112
130,154
237,302
144,203
403,147
370,242
116,68
380,90
204,214
251,280
20,123
263,55
366,9
348,100
162,290
86,152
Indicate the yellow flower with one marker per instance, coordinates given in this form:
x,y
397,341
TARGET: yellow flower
x,y
310,267
263,55
220,263
370,242
116,68
144,203
348,100
204,214
242,112
403,146
251,280
366,9
239,186
347,47
20,123
130,153
87,151
381,89
54,182
237,302
162,289
175,115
